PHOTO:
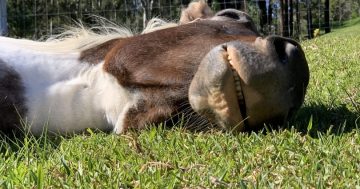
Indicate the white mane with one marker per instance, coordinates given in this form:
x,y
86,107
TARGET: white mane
x,y
157,24
80,37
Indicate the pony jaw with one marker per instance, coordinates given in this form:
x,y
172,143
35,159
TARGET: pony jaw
x,y
216,91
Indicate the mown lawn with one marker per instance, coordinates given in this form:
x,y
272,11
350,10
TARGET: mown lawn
x,y
319,148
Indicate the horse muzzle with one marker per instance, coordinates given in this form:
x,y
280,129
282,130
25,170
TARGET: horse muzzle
x,y
241,84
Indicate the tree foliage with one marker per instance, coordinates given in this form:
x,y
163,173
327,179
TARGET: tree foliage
x,y
345,9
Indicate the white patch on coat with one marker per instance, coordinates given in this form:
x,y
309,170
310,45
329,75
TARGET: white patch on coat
x,y
67,95
64,94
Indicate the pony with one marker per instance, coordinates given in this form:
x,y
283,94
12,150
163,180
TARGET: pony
x,y
211,72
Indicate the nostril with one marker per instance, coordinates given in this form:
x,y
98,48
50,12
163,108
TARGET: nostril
x,y
284,61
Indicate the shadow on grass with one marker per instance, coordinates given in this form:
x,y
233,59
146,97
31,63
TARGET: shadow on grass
x,y
18,140
15,142
324,119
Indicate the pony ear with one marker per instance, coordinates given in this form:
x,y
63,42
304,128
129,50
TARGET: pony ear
x,y
195,10
235,15
287,50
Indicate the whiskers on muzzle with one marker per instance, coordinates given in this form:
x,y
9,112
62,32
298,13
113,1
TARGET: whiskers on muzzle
x,y
187,118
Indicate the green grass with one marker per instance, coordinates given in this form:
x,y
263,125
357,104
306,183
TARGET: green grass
x,y
320,148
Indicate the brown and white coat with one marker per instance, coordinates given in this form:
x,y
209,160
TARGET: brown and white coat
x,y
117,82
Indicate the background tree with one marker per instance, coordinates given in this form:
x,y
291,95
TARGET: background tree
x,y
284,18
298,18
147,8
291,17
265,15
263,18
327,16
309,19
3,17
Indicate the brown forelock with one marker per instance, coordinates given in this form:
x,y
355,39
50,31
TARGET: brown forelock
x,y
162,64
12,101
97,54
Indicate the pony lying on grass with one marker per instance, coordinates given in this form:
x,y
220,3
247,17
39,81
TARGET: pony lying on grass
x,y
212,72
